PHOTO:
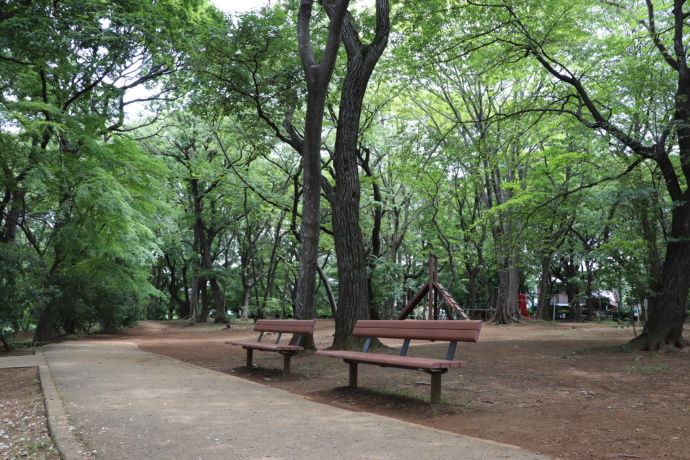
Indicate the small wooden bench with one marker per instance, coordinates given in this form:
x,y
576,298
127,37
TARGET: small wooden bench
x,y
281,326
453,331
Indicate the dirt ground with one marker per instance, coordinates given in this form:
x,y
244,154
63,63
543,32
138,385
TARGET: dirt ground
x,y
23,426
535,385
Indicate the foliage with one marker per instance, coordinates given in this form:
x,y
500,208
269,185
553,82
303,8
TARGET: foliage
x,y
17,290
469,147
386,280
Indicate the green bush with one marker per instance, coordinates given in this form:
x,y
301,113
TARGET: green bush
x,y
17,294
83,300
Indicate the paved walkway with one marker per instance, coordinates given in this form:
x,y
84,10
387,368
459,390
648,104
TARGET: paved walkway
x,y
129,404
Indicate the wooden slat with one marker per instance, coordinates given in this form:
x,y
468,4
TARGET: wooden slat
x,y
294,326
267,346
450,330
407,362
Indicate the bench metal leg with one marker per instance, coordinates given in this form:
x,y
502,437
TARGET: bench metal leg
x,y
250,354
353,375
286,363
436,387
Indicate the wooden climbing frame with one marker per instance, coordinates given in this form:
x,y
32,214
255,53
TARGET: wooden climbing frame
x,y
436,293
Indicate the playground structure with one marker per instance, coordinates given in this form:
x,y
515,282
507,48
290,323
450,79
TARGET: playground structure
x,y
437,295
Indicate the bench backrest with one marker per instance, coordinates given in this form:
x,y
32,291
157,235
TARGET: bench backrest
x,y
450,330
287,326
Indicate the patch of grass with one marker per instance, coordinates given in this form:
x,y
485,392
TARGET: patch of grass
x,y
601,350
650,369
403,395
389,393
304,371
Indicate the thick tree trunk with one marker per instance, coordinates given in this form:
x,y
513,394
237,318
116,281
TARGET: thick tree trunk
x,y
45,329
305,306
13,217
194,299
245,303
504,312
317,76
205,304
572,291
664,327
514,286
186,306
543,312
353,298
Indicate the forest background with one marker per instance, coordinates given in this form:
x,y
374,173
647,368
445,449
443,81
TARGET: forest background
x,y
153,155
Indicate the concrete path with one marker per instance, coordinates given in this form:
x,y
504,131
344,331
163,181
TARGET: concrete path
x,y
129,404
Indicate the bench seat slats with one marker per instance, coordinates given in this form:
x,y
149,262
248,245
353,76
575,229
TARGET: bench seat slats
x,y
264,345
456,331
280,326
392,360
293,326
451,331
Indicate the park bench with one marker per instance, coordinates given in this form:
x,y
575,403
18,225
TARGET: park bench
x,y
452,331
279,326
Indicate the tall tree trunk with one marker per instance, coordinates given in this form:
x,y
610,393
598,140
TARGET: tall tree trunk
x,y
185,307
514,285
317,76
375,252
246,295
504,312
573,303
353,298
542,311
45,329
274,260
205,303
13,217
664,327
194,299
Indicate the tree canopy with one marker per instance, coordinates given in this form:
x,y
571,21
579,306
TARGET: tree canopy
x,y
167,160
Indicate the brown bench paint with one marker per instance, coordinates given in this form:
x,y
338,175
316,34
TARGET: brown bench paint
x,y
445,330
281,326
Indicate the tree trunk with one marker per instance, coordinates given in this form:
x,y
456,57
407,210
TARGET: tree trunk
x,y
274,260
186,306
353,298
317,76
329,292
194,299
45,329
514,286
245,302
13,218
544,291
664,327
473,275
503,313
205,304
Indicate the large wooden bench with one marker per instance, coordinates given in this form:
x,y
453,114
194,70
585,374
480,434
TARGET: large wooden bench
x,y
445,330
279,326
